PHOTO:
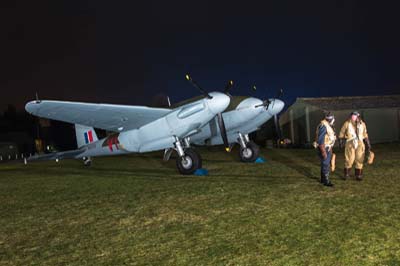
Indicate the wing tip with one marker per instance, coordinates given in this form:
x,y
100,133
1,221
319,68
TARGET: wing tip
x,y
32,106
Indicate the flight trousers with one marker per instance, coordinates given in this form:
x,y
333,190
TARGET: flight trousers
x,y
354,155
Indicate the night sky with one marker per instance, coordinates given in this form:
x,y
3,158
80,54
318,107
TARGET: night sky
x,y
109,51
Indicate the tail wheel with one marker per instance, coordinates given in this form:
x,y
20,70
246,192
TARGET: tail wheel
x,y
87,161
250,153
188,163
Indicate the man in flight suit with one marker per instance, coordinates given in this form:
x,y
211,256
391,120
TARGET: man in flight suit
x,y
354,133
325,139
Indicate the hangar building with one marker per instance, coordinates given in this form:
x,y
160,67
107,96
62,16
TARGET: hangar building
x,y
381,113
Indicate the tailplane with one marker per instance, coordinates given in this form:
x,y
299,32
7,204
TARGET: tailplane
x,y
85,135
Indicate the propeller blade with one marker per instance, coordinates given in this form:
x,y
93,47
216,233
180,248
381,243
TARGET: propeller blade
x,y
222,129
37,98
189,78
280,94
277,127
265,103
228,86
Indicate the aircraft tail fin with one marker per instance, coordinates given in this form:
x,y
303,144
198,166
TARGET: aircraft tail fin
x,y
85,135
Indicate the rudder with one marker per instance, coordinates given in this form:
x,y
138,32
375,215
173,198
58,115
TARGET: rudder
x,y
85,135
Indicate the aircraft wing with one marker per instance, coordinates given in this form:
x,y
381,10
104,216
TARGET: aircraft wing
x,y
110,117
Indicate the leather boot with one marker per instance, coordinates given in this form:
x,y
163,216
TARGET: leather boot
x,y
325,181
358,173
346,173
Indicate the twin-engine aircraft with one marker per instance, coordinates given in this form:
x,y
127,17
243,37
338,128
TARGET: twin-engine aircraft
x,y
213,119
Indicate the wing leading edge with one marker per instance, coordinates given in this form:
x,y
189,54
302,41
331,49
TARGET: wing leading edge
x,y
109,117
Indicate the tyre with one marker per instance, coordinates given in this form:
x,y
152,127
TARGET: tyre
x,y
188,163
250,153
200,159
87,162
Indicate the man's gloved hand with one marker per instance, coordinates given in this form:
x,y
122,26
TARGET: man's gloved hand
x,y
367,144
323,151
341,143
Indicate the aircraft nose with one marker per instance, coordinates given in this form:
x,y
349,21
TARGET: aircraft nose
x,y
219,102
276,106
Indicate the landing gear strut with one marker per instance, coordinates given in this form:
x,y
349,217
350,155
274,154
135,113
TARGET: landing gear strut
x,y
188,160
248,151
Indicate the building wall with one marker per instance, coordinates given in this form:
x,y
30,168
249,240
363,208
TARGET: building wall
x,y
8,149
383,124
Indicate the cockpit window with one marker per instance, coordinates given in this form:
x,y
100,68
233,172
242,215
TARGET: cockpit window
x,y
191,110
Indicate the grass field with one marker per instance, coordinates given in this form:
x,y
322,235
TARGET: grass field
x,y
136,210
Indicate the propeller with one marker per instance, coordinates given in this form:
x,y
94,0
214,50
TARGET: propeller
x,y
220,119
280,94
228,86
37,98
277,127
189,78
276,118
267,102
222,130
221,123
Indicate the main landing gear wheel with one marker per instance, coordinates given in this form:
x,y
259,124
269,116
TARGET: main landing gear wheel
x,y
188,163
249,153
